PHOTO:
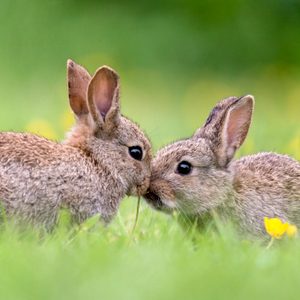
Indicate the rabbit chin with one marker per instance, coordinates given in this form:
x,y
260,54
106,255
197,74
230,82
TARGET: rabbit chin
x,y
139,190
163,205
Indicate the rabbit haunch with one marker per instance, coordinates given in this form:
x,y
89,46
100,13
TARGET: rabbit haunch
x,y
244,191
90,172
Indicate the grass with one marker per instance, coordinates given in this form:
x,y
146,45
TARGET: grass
x,y
159,261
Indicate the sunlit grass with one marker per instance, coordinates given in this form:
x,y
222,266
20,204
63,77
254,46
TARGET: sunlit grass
x,y
160,261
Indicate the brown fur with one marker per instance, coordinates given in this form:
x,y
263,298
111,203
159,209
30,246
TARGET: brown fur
x,y
244,191
90,172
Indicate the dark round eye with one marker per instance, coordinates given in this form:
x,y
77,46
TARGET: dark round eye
x,y
136,152
184,168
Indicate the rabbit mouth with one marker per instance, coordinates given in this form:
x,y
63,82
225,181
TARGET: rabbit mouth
x,y
138,190
154,200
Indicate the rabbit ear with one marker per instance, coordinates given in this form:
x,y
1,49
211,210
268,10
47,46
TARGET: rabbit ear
x,y
103,98
78,81
227,126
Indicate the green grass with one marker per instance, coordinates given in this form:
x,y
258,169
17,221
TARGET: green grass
x,y
158,261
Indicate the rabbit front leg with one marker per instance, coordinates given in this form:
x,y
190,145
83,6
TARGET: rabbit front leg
x,y
94,202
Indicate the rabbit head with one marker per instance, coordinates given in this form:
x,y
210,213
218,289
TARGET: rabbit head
x,y
102,133
192,175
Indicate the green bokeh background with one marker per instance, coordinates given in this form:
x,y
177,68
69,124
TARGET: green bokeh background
x,y
176,59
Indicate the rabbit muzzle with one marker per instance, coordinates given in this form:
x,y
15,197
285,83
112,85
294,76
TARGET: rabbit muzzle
x,y
153,199
160,195
140,189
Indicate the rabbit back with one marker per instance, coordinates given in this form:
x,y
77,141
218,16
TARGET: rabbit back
x,y
266,185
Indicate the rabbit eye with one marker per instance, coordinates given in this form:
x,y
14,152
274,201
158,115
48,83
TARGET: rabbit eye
x,y
136,152
184,168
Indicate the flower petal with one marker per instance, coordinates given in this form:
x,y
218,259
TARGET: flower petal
x,y
275,227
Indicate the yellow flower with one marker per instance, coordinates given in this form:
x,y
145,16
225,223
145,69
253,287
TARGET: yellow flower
x,y
291,230
275,227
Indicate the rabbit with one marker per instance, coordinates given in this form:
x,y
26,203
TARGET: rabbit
x,y
199,178
103,158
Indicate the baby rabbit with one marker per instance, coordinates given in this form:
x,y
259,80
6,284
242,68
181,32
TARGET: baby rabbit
x,y
105,157
197,176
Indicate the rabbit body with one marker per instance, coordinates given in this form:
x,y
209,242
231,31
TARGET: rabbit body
x,y
264,185
89,173
198,177
38,177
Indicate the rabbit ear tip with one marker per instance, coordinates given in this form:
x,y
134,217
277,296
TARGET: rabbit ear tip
x,y
249,98
107,70
70,63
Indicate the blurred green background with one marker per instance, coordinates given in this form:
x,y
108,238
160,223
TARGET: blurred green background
x,y
176,59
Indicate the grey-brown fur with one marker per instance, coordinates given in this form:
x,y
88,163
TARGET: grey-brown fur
x,y
90,172
244,191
